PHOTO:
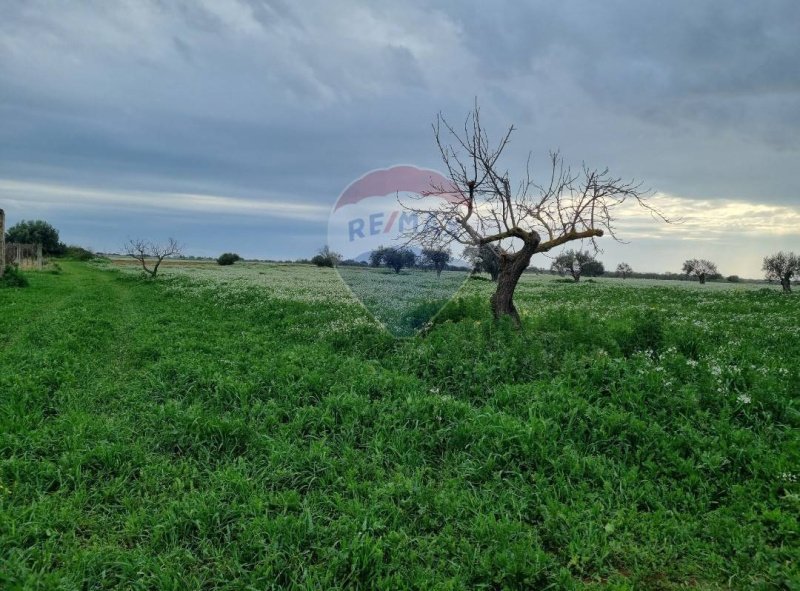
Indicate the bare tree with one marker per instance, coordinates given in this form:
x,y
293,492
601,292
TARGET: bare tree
x,y
480,207
782,267
700,268
153,253
624,270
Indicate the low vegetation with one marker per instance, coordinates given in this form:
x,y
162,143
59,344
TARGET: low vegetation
x,y
326,258
228,258
255,428
13,277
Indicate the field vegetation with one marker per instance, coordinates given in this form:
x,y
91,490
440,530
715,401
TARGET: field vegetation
x,y
253,427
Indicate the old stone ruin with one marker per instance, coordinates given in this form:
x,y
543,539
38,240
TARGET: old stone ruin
x,y
24,256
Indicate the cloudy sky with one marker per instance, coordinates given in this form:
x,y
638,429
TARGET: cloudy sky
x,y
235,124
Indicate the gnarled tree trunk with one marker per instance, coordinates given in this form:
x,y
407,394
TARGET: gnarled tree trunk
x,y
511,268
786,283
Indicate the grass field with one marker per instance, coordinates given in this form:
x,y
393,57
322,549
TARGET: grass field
x,y
252,427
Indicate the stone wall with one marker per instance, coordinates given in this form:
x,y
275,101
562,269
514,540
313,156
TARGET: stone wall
x,y
2,242
24,256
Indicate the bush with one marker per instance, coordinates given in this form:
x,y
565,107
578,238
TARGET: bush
x,y
78,253
322,261
443,310
423,313
326,258
733,278
228,258
645,333
36,232
52,268
13,278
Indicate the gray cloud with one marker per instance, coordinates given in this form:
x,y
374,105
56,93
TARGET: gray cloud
x,y
252,99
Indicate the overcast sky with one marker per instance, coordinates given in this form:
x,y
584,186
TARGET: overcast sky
x,y
233,125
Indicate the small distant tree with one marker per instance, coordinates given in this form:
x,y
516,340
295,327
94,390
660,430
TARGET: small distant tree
x,y
700,268
782,267
593,268
437,258
624,270
36,232
484,259
376,256
399,258
228,258
326,258
574,262
151,253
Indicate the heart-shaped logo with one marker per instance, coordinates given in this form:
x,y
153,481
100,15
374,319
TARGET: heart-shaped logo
x,y
402,282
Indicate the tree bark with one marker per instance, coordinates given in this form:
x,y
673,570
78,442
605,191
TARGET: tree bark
x,y
786,283
511,268
702,278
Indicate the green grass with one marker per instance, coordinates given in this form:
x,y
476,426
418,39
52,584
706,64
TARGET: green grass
x,y
238,430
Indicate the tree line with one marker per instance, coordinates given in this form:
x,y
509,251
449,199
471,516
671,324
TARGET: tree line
x,y
781,267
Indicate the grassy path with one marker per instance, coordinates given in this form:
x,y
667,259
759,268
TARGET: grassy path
x,y
153,437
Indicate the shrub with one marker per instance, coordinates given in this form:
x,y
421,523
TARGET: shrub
x,y
321,261
443,310
13,278
421,314
326,258
733,278
78,253
646,332
36,232
52,268
228,258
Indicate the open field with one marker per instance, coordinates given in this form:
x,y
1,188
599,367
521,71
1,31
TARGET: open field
x,y
251,427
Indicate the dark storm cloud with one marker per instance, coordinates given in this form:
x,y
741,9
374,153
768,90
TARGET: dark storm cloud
x,y
284,101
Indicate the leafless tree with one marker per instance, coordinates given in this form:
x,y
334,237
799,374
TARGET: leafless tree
x,y
700,268
480,206
624,270
782,267
147,252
